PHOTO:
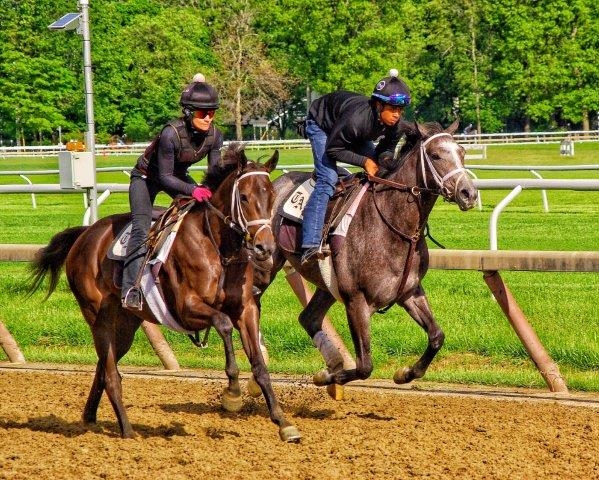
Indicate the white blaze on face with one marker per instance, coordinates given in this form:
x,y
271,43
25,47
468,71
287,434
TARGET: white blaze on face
x,y
454,150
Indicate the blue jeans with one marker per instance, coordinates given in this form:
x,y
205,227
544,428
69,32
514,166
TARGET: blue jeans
x,y
325,170
326,178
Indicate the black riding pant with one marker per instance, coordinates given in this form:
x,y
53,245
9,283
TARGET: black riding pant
x,y
142,193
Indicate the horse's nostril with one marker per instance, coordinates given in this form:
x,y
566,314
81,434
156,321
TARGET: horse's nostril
x,y
469,194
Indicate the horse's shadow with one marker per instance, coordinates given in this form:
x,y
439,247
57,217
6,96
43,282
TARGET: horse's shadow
x,y
251,408
68,429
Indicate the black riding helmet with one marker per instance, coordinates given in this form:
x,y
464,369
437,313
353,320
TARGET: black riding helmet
x,y
199,95
392,90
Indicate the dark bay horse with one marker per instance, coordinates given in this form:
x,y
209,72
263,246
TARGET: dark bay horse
x,y
384,256
206,280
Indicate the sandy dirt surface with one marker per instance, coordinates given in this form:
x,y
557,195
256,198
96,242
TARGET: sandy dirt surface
x,y
378,432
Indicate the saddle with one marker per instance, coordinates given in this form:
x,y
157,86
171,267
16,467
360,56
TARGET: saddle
x,y
164,222
347,195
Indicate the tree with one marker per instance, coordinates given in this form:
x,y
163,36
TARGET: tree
x,y
249,84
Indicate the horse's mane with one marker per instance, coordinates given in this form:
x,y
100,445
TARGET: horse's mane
x,y
412,132
230,160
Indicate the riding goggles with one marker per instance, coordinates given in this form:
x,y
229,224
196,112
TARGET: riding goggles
x,y
204,112
397,99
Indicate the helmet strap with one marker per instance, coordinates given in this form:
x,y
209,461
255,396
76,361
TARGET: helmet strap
x,y
378,106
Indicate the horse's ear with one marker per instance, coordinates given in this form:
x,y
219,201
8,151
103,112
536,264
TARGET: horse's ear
x,y
272,162
409,129
242,161
453,127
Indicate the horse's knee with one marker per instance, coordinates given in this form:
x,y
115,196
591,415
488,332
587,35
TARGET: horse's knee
x,y
223,325
437,339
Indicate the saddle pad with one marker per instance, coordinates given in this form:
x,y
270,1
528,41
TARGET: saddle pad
x,y
293,208
118,248
156,303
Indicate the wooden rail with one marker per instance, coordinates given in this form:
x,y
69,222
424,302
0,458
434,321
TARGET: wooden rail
x,y
489,262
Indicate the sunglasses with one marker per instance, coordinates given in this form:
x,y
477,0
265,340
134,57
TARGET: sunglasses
x,y
397,99
203,113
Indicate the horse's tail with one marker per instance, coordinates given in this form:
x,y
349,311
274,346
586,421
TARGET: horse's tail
x,y
51,258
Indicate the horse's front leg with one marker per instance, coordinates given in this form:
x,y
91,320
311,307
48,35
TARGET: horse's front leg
x,y
249,330
197,316
358,316
419,309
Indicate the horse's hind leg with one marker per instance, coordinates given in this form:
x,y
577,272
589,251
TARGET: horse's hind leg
x,y
110,349
95,394
311,319
419,309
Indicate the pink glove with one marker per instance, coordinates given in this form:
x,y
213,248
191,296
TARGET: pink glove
x,y
201,193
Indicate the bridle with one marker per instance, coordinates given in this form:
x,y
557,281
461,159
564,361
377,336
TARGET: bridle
x,y
237,214
441,189
237,220
425,162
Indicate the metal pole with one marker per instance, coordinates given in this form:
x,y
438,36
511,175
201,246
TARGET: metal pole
x,y
10,347
89,106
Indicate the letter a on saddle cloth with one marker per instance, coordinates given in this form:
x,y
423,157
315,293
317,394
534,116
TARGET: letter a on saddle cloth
x,y
292,213
148,285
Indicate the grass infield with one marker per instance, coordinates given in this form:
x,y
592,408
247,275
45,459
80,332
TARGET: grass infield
x,y
480,345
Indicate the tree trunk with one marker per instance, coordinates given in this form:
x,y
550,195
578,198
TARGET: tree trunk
x,y
238,129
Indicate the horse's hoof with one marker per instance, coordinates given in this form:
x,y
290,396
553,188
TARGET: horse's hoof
x,y
322,378
231,403
290,434
254,389
336,392
129,434
403,375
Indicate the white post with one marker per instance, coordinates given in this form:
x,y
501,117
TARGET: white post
x,y
495,216
89,106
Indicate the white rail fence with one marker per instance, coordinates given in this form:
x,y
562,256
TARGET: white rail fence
x,y
480,140
516,186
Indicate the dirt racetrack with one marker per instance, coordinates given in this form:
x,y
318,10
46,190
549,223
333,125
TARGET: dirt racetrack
x,y
378,432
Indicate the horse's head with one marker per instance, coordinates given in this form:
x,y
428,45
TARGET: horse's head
x,y
441,162
248,196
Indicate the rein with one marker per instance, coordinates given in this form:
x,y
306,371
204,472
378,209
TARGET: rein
x,y
415,191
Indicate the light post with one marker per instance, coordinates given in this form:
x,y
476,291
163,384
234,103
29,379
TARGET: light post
x,y
80,22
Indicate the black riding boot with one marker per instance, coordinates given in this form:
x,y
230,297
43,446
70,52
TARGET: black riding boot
x,y
131,296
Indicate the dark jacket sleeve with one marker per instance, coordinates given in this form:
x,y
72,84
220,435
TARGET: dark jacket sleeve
x,y
351,130
389,141
168,149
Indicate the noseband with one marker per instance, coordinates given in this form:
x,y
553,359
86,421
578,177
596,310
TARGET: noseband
x,y
425,162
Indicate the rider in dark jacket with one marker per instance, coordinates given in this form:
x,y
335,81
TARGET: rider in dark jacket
x,y
342,127
164,167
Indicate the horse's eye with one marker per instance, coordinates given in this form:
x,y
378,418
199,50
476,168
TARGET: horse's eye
x,y
244,198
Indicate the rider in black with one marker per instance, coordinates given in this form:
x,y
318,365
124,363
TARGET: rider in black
x,y
164,167
342,127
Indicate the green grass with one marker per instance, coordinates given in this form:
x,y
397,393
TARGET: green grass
x,y
480,347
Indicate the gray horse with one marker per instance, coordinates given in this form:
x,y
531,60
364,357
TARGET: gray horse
x,y
383,256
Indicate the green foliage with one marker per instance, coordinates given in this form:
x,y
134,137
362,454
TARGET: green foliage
x,y
500,64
